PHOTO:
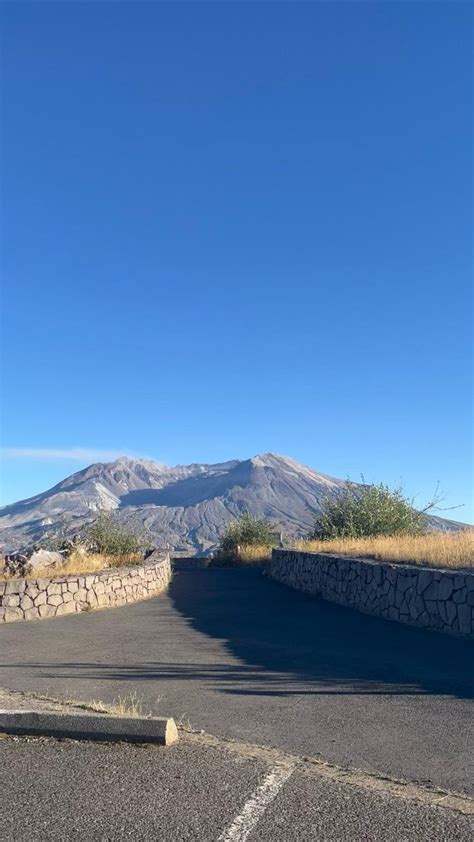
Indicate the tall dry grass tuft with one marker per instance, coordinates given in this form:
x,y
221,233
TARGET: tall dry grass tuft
x,y
131,705
259,554
433,549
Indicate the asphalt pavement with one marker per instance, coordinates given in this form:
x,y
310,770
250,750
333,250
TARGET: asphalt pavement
x,y
57,790
245,658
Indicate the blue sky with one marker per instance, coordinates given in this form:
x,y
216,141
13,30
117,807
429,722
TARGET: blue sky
x,y
237,228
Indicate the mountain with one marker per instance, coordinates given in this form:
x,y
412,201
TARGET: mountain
x,y
186,506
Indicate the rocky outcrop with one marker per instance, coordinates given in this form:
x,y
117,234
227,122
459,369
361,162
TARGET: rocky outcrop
x,y
442,600
33,599
27,564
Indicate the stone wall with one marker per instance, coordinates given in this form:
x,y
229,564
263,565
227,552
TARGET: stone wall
x,y
435,599
32,599
190,562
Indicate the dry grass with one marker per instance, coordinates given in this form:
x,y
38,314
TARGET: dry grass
x,y
255,555
77,562
80,563
131,705
435,549
247,556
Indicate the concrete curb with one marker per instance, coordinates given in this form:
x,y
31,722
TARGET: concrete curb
x,y
96,726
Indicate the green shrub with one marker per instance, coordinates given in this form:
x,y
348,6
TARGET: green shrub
x,y
109,538
359,511
247,531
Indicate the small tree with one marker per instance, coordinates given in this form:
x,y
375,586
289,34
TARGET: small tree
x,y
247,531
359,511
109,538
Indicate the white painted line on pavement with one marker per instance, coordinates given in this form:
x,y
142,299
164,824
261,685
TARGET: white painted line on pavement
x,y
255,807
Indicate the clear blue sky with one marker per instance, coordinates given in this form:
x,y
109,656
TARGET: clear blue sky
x,y
235,228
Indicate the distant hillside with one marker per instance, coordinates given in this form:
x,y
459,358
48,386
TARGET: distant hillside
x,y
186,506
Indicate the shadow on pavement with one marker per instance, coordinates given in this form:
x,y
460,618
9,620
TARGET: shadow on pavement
x,y
263,640
331,649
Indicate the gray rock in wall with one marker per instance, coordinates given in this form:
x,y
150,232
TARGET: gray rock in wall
x,y
442,600
43,598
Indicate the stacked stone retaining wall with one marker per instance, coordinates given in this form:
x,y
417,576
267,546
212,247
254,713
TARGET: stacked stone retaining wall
x,y
32,599
435,599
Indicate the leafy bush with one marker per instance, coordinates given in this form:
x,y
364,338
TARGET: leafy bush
x,y
110,539
54,542
247,531
359,511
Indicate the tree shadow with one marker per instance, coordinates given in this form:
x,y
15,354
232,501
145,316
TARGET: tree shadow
x,y
228,679
271,641
282,635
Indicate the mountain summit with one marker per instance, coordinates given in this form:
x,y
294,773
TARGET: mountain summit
x,y
186,506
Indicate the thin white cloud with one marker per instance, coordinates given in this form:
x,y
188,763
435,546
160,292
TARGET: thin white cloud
x,y
75,454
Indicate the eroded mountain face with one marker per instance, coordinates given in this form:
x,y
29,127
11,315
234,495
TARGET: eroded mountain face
x,y
186,506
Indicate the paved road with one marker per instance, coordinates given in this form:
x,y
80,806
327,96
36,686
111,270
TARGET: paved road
x,y
243,657
56,790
